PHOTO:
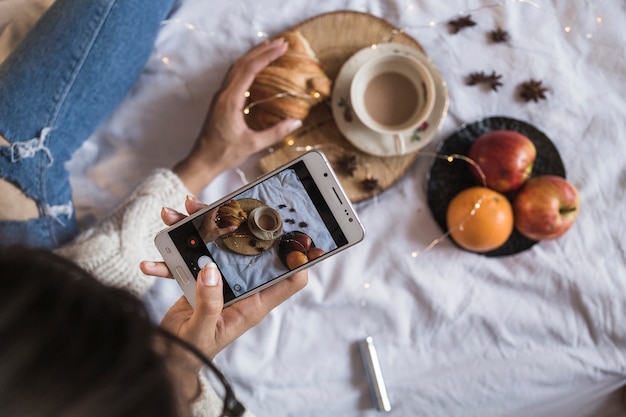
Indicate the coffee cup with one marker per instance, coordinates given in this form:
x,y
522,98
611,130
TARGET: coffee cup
x,y
265,223
393,95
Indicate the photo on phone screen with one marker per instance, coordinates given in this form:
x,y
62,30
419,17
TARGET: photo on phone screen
x,y
283,222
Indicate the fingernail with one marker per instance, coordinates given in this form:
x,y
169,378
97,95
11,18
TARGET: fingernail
x,y
295,124
209,275
193,199
149,263
168,209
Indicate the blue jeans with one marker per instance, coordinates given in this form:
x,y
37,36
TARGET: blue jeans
x,y
56,88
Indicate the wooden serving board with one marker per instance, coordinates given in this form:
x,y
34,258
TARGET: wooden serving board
x,y
335,37
242,241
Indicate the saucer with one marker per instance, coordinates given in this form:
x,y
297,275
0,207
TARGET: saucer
x,y
376,143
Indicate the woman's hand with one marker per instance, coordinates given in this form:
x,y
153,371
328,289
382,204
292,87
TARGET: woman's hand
x,y
210,326
209,230
226,140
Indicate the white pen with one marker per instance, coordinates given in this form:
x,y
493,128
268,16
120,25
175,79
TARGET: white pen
x,y
374,374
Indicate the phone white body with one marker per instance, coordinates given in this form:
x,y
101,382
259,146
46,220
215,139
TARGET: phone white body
x,y
310,200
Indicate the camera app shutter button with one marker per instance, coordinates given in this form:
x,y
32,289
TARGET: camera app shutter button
x,y
203,260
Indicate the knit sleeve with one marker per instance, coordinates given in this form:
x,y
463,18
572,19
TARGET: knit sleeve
x,y
112,250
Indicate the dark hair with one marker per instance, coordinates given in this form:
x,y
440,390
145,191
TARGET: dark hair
x,y
71,346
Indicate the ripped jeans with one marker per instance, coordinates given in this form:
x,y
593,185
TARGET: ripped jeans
x,y
60,83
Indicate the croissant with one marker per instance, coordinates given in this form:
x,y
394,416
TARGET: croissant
x,y
230,214
290,85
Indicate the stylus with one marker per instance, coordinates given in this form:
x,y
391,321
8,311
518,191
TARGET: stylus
x,y
374,375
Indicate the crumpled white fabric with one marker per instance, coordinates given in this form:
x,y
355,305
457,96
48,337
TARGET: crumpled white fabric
x,y
536,334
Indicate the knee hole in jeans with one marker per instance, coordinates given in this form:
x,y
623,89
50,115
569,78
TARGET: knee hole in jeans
x,y
15,205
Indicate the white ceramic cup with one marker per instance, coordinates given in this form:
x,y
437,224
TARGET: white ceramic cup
x,y
265,223
393,95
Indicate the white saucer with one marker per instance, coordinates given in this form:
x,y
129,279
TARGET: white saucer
x,y
377,143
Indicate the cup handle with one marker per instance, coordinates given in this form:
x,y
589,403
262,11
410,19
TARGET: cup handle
x,y
400,143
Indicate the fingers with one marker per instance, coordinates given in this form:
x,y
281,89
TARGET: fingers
x,y
246,68
192,204
171,216
272,135
281,291
209,299
155,269
248,312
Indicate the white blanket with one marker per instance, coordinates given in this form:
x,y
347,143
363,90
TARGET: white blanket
x,y
539,333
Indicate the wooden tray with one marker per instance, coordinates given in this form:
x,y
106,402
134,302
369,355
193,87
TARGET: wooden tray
x,y
335,37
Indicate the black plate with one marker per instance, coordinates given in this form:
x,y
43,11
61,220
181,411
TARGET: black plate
x,y
447,179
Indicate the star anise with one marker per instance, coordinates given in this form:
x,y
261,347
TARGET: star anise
x,y
461,23
347,164
492,80
532,90
370,184
499,35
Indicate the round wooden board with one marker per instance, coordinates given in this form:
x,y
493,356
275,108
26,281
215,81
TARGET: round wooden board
x,y
240,241
335,37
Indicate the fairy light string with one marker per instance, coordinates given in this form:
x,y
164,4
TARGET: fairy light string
x,y
312,96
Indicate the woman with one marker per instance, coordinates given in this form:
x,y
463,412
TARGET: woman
x,y
53,95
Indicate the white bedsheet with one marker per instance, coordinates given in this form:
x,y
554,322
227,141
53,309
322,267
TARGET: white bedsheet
x,y
540,333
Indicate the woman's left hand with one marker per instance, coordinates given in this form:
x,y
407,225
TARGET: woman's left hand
x,y
226,140
210,326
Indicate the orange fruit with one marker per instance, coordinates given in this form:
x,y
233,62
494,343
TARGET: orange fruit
x,y
490,225
295,259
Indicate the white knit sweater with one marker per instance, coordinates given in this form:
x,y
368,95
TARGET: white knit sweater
x,y
111,250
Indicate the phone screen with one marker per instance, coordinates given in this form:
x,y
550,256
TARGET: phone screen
x,y
247,261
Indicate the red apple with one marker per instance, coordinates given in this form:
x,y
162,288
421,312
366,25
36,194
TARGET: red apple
x,y
301,241
545,207
505,157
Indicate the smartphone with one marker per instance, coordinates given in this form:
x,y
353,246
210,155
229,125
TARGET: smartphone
x,y
287,220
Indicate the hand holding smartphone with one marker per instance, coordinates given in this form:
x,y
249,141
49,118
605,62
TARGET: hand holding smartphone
x,y
287,220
